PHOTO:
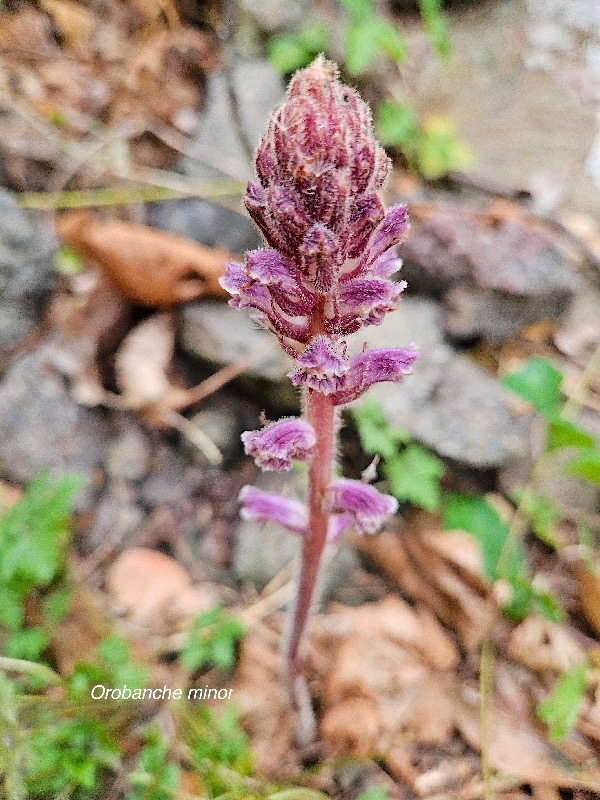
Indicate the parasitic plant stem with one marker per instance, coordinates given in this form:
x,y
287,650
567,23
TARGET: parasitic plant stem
x,y
320,413
323,276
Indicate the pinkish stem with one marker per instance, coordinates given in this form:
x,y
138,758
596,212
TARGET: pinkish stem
x,y
320,413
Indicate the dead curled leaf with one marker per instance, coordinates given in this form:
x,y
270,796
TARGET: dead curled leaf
x,y
142,362
388,685
441,570
155,591
149,266
589,589
544,646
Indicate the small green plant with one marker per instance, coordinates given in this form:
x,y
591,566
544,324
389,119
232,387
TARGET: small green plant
x,y
414,476
211,641
562,706
155,775
71,746
375,793
34,534
538,382
412,471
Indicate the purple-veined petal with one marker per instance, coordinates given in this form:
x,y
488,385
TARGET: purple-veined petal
x,y
391,231
375,366
276,445
369,509
370,299
320,367
259,506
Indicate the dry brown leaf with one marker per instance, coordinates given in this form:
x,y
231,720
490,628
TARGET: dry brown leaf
x,y
447,584
27,28
515,747
544,646
142,362
141,580
260,694
149,266
75,23
380,680
80,631
589,589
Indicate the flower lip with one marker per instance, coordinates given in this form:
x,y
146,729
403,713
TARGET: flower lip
x,y
277,444
369,508
259,506
320,367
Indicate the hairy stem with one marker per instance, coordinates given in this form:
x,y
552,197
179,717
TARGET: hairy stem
x,y
320,413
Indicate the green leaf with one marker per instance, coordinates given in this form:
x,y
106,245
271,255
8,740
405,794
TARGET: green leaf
x,y
396,124
538,382
314,36
547,605
544,516
211,641
562,433
414,475
390,40
377,436
287,53
27,644
362,45
473,514
67,261
439,150
586,465
358,10
11,609
56,604
376,793
435,25
561,708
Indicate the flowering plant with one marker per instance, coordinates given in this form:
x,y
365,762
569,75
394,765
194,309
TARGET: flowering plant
x,y
324,276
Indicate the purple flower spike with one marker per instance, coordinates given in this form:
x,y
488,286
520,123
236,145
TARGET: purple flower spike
x,y
258,506
320,367
369,509
274,447
323,275
375,366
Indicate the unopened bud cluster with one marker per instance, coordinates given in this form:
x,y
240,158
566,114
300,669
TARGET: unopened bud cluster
x,y
324,275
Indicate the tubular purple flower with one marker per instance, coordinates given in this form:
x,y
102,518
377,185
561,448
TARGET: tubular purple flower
x,y
375,366
369,509
276,445
370,299
324,275
320,367
258,506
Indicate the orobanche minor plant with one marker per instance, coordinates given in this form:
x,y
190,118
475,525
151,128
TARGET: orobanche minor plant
x,y
324,276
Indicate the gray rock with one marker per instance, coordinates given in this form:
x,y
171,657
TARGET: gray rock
x,y
207,223
258,88
220,335
128,457
117,516
26,270
496,275
262,550
449,403
43,427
